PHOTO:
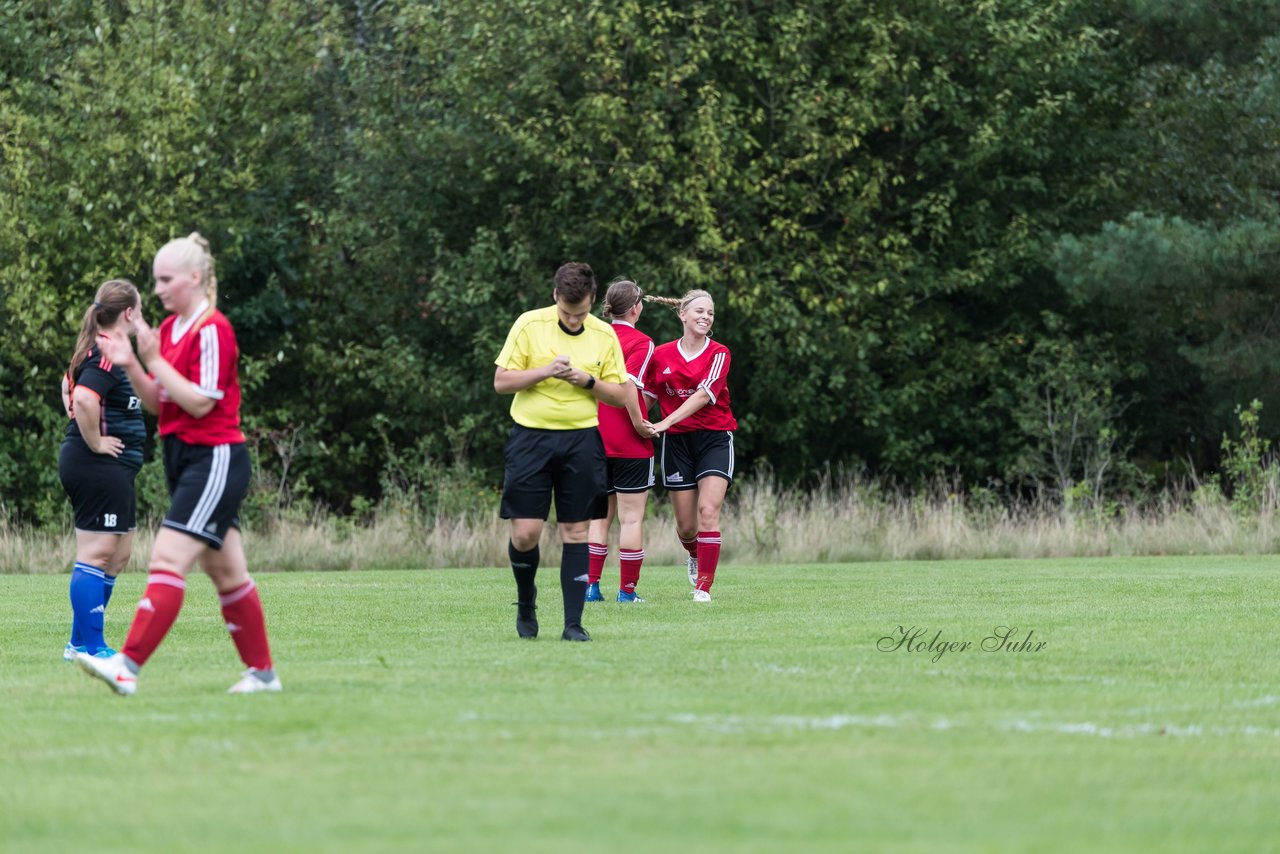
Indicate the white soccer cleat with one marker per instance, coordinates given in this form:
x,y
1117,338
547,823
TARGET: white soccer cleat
x,y
692,563
252,683
702,595
111,670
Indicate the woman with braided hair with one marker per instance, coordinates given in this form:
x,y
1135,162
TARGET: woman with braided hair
x,y
191,380
98,462
689,378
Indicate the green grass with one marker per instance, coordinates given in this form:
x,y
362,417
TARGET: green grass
x,y
414,719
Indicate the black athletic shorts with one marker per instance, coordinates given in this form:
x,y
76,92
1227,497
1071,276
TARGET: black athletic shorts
x,y
206,485
630,474
100,488
569,463
689,457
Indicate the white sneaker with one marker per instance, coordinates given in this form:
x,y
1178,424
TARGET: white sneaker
x,y
702,596
692,563
111,670
250,683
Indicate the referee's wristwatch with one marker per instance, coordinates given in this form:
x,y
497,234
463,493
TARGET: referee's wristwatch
x,y
590,383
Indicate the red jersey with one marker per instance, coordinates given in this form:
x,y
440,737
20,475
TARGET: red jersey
x,y
620,438
674,376
206,353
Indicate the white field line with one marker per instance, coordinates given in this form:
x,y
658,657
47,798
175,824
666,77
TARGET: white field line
x,y
732,724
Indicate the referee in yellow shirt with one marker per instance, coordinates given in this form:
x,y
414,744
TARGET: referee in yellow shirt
x,y
558,361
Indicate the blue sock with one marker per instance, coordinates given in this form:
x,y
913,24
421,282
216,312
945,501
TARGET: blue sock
x,y
87,606
108,587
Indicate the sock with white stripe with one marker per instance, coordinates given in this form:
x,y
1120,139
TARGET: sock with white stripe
x,y
87,606
708,557
629,575
156,613
598,552
247,625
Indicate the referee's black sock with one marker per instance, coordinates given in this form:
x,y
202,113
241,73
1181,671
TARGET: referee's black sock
x,y
524,566
575,562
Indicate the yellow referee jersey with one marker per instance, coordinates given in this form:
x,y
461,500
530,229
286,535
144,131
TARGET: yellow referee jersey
x,y
534,341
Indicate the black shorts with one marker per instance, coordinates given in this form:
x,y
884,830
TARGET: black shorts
x,y
206,485
689,457
630,474
569,463
100,488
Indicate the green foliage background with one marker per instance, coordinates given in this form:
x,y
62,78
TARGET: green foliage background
x,y
917,218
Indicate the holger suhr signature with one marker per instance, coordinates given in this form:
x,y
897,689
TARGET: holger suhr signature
x,y
917,639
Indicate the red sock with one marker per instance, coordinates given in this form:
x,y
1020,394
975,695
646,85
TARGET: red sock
x,y
242,609
596,553
690,545
708,557
630,560
156,612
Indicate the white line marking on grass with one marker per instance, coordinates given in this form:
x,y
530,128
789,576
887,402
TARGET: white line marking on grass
x,y
735,724
1142,730
778,668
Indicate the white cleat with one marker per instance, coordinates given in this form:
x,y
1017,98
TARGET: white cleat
x,y
702,596
692,563
111,670
252,683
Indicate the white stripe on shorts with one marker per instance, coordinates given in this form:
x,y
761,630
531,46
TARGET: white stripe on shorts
x,y
213,488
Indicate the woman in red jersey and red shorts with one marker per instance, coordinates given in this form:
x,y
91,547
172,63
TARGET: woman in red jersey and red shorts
x,y
628,448
191,380
689,378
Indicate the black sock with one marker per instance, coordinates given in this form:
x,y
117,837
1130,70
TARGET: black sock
x,y
575,563
524,566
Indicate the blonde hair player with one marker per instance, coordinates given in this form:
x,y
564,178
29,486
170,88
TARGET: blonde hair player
x,y
689,379
628,450
191,380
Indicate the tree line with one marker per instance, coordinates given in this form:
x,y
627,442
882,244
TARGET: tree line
x,y
1028,244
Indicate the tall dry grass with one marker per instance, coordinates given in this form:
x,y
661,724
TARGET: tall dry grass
x,y
840,521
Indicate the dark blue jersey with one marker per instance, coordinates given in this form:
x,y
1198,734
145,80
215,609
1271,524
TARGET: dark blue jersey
x,y
121,408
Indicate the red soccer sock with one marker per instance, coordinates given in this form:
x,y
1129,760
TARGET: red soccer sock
x,y
156,612
708,557
690,545
242,609
630,560
596,553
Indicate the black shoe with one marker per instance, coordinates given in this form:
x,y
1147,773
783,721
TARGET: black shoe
x,y
526,620
575,632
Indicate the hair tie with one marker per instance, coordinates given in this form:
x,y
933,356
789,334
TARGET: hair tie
x,y
97,304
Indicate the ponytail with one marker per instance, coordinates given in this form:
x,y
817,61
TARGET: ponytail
x,y
681,303
112,300
622,296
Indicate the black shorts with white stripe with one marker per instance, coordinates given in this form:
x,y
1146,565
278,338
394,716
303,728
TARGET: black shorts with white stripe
x,y
689,457
206,485
630,474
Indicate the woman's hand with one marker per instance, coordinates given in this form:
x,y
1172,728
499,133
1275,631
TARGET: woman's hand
x,y
117,352
111,446
148,339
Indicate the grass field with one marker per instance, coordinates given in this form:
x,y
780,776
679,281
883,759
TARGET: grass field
x,y
414,719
